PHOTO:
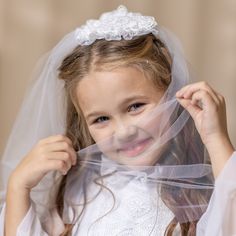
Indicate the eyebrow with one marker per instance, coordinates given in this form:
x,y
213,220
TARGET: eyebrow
x,y
125,101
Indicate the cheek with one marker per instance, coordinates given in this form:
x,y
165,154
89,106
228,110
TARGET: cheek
x,y
156,125
103,139
99,134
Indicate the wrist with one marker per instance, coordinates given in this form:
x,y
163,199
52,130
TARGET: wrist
x,y
15,184
220,149
219,143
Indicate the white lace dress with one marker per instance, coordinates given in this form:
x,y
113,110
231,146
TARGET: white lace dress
x,y
135,212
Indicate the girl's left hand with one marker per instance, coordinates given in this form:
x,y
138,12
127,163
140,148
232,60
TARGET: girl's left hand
x,y
208,110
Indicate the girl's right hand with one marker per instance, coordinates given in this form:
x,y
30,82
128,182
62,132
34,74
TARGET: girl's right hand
x,y
49,154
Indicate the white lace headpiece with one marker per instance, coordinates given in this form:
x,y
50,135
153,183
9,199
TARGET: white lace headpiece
x,y
116,25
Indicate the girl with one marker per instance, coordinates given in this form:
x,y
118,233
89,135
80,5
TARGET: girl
x,y
128,159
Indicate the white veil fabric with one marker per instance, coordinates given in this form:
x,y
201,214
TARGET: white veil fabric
x,y
180,175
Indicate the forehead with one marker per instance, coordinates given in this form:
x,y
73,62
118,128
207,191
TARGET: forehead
x,y
101,87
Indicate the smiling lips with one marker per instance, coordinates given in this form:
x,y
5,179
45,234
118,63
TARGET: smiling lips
x,y
136,148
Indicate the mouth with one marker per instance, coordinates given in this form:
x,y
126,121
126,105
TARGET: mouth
x,y
136,148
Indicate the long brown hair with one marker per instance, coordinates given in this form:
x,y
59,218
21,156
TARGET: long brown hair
x,y
108,55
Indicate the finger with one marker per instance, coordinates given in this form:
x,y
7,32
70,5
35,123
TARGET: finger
x,y
56,138
180,92
191,108
206,101
189,90
58,165
62,147
62,156
221,98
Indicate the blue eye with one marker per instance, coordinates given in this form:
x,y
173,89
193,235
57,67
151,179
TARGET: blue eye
x,y
101,119
135,107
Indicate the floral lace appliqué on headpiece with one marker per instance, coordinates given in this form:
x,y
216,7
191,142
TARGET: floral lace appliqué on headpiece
x,y
116,25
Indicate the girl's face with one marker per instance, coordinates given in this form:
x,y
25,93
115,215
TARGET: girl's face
x,y
113,103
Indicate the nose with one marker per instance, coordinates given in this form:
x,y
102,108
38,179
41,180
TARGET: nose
x,y
126,133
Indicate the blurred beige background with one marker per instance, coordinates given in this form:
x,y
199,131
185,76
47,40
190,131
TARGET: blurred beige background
x,y
28,29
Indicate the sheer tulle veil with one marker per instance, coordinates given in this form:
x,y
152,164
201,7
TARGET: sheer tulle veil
x,y
182,169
